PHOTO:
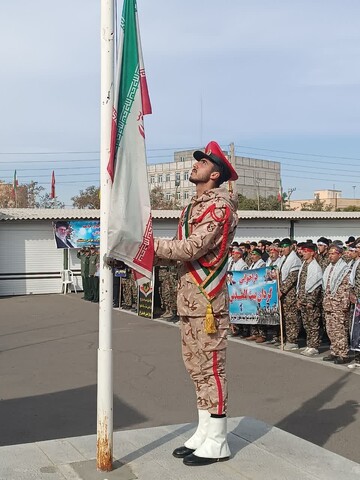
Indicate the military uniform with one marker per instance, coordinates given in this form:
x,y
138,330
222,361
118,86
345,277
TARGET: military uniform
x,y
202,352
287,287
167,278
93,275
83,256
336,305
129,290
309,307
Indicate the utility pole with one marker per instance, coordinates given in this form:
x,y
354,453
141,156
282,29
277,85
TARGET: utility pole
x,y
290,191
233,163
354,187
257,183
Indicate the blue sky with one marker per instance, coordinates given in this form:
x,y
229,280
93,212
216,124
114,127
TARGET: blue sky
x,y
270,75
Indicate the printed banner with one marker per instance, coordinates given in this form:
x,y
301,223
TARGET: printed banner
x,y
253,296
76,233
146,300
355,329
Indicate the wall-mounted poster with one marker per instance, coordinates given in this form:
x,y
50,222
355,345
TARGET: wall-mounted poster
x,y
253,296
76,233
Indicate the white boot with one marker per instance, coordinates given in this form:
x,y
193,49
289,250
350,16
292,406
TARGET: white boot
x,y
201,432
215,448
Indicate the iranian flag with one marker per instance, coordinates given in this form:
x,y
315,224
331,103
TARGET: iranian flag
x,y
130,233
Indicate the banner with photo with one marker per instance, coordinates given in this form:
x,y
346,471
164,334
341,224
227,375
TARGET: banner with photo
x,y
254,296
76,233
355,329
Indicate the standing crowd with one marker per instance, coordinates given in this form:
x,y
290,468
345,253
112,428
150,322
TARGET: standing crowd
x,y
319,286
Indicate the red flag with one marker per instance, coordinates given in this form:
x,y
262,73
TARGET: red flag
x,y
52,193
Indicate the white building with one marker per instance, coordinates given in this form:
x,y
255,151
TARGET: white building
x,y
256,177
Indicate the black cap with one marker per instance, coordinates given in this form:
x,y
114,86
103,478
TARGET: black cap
x,y
309,245
324,241
350,240
285,242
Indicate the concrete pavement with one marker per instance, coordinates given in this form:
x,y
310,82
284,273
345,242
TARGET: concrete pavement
x,y
48,382
259,451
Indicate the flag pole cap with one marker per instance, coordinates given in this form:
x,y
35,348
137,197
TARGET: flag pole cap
x,y
214,153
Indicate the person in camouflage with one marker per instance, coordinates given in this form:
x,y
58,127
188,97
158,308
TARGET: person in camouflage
x,y
336,305
308,294
206,230
354,299
84,254
93,273
129,290
289,272
322,256
167,278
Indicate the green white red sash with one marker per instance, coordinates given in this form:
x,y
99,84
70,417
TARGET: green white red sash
x,y
210,280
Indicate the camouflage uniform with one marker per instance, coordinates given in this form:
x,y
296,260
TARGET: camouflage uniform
x,y
84,262
129,289
167,291
309,309
204,354
290,315
336,309
93,279
323,260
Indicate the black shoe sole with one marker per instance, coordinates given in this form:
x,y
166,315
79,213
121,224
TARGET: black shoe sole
x,y
194,461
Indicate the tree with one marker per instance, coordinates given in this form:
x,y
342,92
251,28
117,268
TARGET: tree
x,y
264,203
159,202
350,208
88,198
45,201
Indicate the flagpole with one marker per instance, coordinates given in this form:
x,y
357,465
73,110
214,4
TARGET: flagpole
x,y
105,357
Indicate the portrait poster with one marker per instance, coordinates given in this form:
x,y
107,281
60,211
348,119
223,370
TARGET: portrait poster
x,y
76,233
355,329
253,296
146,300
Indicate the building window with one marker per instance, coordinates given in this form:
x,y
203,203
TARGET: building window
x,y
186,175
186,195
167,177
152,179
178,196
177,178
160,178
182,159
168,196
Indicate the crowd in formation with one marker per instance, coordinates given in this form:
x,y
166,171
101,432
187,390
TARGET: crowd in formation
x,y
319,286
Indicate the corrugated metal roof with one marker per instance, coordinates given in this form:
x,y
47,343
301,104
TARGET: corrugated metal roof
x,y
82,213
47,214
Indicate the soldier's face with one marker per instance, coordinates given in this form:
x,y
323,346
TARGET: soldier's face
x,y
203,172
334,255
274,254
321,248
307,255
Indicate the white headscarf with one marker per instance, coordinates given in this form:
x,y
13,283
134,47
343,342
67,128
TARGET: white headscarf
x,y
292,263
339,271
313,277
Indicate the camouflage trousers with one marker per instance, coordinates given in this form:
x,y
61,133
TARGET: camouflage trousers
x,y
291,319
168,292
310,317
337,328
129,291
204,357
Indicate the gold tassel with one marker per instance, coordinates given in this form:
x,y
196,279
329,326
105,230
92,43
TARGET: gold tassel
x,y
210,326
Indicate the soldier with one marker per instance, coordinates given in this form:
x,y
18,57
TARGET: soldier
x,y
83,254
206,230
336,305
257,332
308,294
323,258
168,292
93,274
275,259
129,290
289,272
236,260
355,299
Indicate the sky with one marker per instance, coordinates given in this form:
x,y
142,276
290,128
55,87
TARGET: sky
x,y
278,78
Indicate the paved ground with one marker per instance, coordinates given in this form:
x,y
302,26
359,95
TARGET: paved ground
x,y
48,379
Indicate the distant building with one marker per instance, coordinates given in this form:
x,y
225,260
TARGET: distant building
x,y
331,198
256,177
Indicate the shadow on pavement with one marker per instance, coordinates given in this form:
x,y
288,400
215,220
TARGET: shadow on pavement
x,y
312,422
69,413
